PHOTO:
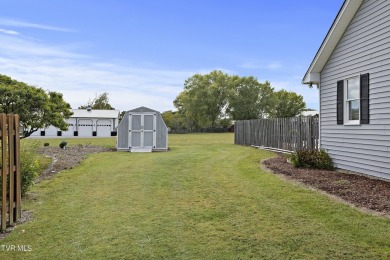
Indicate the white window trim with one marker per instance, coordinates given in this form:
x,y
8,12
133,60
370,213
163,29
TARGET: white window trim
x,y
345,103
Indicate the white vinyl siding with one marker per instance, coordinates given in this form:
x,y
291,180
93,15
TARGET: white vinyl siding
x,y
364,48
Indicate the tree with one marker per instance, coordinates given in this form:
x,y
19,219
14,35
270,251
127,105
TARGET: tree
x,y
99,102
287,104
121,115
35,107
249,99
215,98
173,120
204,98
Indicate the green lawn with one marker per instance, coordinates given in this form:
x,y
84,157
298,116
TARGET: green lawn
x,y
205,199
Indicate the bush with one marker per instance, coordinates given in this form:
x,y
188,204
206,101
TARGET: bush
x,y
316,159
63,144
46,144
29,167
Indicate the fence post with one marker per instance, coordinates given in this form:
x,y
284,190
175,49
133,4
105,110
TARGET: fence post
x,y
10,170
18,179
3,126
11,177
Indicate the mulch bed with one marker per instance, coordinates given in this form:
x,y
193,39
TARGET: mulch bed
x,y
360,191
64,159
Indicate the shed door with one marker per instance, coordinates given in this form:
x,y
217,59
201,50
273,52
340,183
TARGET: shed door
x,y
142,130
103,127
85,127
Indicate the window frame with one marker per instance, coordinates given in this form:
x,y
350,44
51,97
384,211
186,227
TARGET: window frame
x,y
346,101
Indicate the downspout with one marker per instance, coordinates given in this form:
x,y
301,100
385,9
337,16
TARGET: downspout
x,y
319,109
319,114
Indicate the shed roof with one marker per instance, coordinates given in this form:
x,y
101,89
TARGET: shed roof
x,y
340,24
95,113
143,109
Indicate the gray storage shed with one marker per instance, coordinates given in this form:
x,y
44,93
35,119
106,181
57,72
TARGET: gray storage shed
x,y
142,130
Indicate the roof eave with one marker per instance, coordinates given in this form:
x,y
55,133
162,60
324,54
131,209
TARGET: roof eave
x,y
340,24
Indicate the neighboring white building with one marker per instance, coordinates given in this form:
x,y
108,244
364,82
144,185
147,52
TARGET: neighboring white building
x,y
86,123
310,113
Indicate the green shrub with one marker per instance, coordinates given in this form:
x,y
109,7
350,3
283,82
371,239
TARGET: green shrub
x,y
317,159
63,144
29,167
46,144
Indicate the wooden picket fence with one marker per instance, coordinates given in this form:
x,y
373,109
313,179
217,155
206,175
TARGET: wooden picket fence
x,y
10,170
288,134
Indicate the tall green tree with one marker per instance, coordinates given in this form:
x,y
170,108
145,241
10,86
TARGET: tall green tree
x,y
36,108
249,99
187,110
101,101
204,98
173,119
287,104
215,98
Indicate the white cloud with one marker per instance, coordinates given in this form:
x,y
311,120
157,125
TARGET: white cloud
x,y
80,77
24,47
273,66
261,65
8,32
23,24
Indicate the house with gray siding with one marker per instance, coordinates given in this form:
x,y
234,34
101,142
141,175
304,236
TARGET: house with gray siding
x,y
352,72
142,130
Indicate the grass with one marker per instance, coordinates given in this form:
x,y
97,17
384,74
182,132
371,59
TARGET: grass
x,y
205,199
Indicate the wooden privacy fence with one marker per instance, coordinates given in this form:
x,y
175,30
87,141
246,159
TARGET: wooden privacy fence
x,y
10,170
294,133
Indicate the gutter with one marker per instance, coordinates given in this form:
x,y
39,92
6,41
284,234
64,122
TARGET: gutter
x,y
323,44
344,17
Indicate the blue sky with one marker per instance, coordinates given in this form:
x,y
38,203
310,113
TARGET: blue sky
x,y
140,52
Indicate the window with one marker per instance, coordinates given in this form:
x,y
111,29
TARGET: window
x,y
353,107
352,101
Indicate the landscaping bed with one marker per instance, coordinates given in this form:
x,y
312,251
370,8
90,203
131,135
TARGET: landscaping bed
x,y
64,159
360,191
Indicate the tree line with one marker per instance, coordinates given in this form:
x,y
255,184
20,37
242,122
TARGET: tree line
x,y
217,98
207,101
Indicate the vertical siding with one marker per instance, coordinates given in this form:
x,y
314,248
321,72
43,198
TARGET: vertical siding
x,y
161,135
364,48
123,132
